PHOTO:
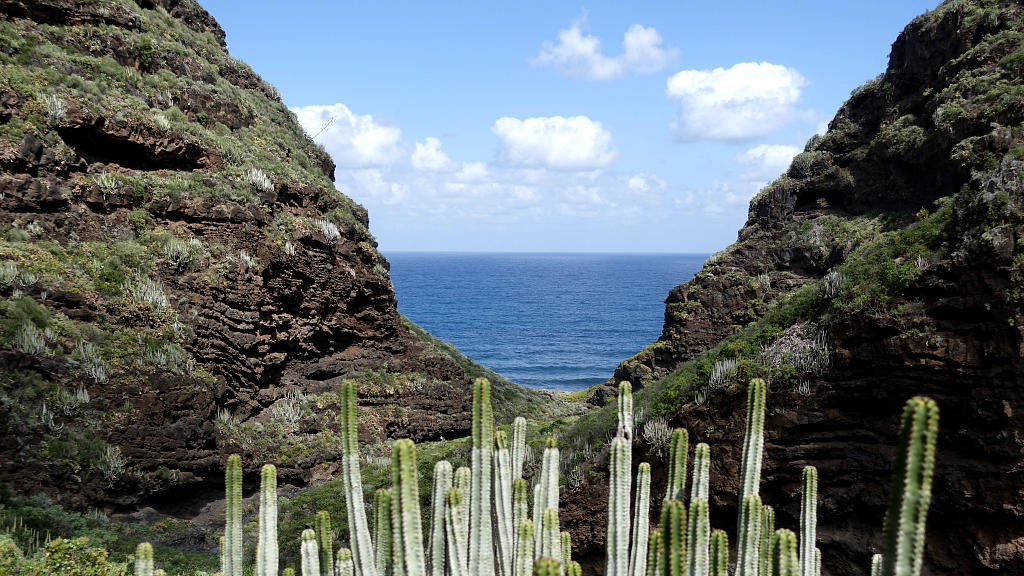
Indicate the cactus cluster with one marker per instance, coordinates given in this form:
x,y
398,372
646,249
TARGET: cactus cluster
x,y
481,522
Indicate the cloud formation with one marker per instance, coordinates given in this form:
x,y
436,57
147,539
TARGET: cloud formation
x,y
744,102
429,157
579,55
354,140
555,142
767,161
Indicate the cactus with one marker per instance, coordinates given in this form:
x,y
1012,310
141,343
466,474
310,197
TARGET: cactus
x,y
903,543
678,447
750,476
144,559
382,531
232,559
718,564
524,551
310,555
288,572
767,532
456,534
641,521
808,520
520,507
546,567
352,482
551,537
266,546
324,544
673,538
503,505
817,562
573,569
463,481
546,492
784,559
436,549
749,541
698,539
654,553
625,401
876,565
700,489
481,541
617,539
518,446
566,548
408,558
343,565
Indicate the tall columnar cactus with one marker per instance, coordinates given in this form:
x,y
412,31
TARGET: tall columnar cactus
x,y
617,539
750,473
524,550
481,541
673,536
767,533
546,567
551,537
343,565
719,554
324,542
456,534
382,531
144,559
641,521
352,482
566,548
748,544
903,544
232,560
546,492
654,548
520,505
288,572
678,447
700,489
573,569
309,554
503,505
442,484
817,562
464,482
698,539
266,546
808,520
518,446
406,523
625,402
784,560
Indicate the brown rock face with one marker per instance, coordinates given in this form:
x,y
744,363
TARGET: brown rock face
x,y
283,295
934,126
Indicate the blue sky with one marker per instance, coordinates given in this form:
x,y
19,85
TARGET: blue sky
x,y
557,126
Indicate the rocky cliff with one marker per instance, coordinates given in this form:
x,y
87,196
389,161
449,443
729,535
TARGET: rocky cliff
x,y
886,262
179,278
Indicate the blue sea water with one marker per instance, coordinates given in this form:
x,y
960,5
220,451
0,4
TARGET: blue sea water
x,y
556,321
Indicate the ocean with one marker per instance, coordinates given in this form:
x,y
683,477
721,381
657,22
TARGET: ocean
x,y
545,320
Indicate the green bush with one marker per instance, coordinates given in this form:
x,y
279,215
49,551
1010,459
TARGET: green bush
x,y
73,558
145,53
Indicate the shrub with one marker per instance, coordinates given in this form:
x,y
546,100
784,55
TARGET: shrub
x,y
145,52
74,558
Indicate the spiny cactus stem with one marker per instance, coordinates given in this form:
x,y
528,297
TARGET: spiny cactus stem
x,y
700,488
524,551
618,508
698,539
518,446
309,554
654,551
406,523
442,484
456,534
266,546
352,482
144,559
343,565
808,520
382,531
641,521
678,447
784,560
481,540
324,541
546,567
673,534
767,534
233,525
719,554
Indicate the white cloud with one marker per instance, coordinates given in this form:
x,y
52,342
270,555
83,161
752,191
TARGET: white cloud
x,y
557,143
767,160
353,140
472,172
746,101
579,55
429,157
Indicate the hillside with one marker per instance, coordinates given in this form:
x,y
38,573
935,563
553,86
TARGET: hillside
x,y
887,261
179,277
